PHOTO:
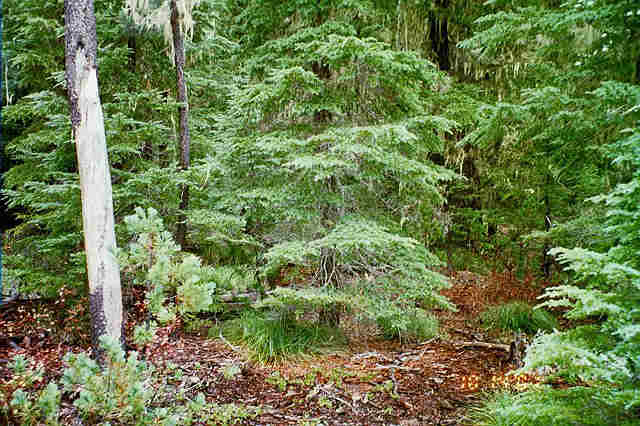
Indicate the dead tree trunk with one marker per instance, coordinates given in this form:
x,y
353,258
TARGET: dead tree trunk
x,y
185,138
105,297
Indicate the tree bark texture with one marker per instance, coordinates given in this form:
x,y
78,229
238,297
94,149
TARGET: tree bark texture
x,y
105,297
185,138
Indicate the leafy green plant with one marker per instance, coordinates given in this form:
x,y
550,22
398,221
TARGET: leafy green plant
x,y
35,409
229,414
120,392
518,316
236,279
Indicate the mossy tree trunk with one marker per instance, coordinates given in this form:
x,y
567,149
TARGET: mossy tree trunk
x,y
87,120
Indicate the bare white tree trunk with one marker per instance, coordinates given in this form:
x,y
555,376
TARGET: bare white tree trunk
x,y
105,297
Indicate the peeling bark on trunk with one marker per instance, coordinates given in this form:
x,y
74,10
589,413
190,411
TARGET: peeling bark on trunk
x,y
185,138
105,297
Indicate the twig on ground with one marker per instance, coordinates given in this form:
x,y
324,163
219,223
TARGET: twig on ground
x,y
392,367
371,355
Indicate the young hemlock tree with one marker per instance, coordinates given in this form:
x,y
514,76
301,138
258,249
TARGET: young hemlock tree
x,y
105,296
325,149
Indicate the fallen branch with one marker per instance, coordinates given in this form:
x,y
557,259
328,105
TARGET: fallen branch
x,y
395,367
233,348
486,345
371,355
230,297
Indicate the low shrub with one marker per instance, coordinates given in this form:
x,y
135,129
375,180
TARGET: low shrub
x,y
544,406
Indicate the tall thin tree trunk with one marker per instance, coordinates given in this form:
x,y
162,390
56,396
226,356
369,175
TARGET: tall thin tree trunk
x,y
185,139
439,35
546,258
2,207
133,51
105,296
323,72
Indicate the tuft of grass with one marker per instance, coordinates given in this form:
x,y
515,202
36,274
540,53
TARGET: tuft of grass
x,y
416,325
518,316
544,406
270,339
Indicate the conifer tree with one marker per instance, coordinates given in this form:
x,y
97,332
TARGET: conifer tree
x,y
326,144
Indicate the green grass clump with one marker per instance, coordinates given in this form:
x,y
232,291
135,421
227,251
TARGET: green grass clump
x,y
270,339
416,325
518,316
545,406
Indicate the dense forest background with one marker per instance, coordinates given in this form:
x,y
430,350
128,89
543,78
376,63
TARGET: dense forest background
x,y
345,158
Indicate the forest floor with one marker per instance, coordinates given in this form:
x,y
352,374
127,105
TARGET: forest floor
x,y
371,381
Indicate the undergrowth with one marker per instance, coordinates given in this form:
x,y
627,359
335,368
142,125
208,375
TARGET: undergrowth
x,y
544,406
127,391
518,316
275,338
